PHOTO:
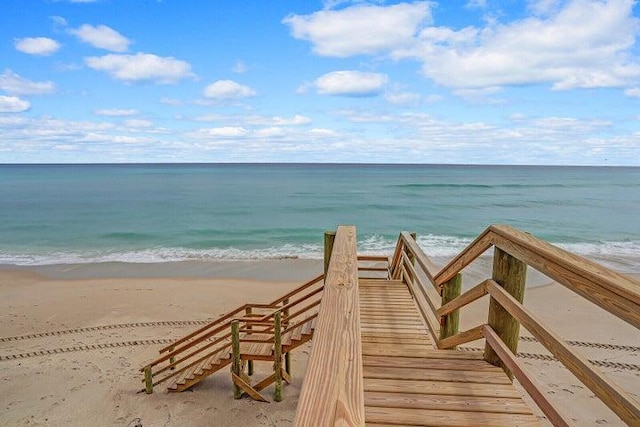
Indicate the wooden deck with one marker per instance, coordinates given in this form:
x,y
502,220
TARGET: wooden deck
x,y
408,382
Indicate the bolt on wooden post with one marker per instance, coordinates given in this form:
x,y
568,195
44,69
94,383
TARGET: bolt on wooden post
x,y
510,273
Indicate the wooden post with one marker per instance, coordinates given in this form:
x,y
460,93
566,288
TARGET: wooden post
x,y
411,257
148,380
172,359
449,324
510,273
287,355
277,356
236,362
248,311
329,238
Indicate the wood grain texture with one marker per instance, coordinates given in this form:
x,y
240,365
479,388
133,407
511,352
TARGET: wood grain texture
x,y
526,380
332,393
619,401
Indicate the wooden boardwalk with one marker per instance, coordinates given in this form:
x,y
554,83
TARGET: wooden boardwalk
x,y
409,382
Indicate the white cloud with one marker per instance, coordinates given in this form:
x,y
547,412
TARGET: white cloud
x,y
222,132
296,120
42,46
360,29
633,92
13,104
58,21
138,123
171,101
102,37
583,45
13,84
226,90
115,112
140,67
402,98
240,67
351,83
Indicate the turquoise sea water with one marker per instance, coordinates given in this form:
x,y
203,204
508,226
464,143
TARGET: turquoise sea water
x,y
53,214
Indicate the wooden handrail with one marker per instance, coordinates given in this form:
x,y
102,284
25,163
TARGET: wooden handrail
x,y
614,292
297,290
333,391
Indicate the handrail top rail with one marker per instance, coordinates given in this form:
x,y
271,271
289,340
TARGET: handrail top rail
x,y
621,284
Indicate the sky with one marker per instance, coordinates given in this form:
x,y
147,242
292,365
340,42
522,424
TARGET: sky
x,y
467,82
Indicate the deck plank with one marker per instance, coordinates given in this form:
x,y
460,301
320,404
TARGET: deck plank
x,y
409,382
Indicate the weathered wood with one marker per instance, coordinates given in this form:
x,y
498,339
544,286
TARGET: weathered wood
x,y
148,380
609,392
277,356
528,382
329,240
236,364
450,323
332,393
511,274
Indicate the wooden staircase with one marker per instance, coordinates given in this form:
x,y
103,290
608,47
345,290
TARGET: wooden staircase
x,y
193,358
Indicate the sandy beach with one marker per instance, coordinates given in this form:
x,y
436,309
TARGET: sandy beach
x,y
95,325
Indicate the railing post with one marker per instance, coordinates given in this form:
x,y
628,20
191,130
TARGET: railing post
x,y
148,380
236,362
287,355
329,238
277,356
412,258
449,324
248,312
510,273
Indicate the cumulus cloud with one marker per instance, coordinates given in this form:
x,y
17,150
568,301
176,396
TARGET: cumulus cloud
x,y
42,46
102,37
564,44
13,104
115,112
351,83
227,90
360,29
13,84
141,67
583,45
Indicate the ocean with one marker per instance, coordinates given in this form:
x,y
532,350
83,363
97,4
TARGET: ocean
x,y
143,213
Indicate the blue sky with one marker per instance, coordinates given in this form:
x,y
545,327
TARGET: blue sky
x,y
481,81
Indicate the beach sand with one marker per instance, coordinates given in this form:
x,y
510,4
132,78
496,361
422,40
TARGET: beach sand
x,y
98,386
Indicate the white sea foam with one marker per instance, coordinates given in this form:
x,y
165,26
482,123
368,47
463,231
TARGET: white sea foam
x,y
622,256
